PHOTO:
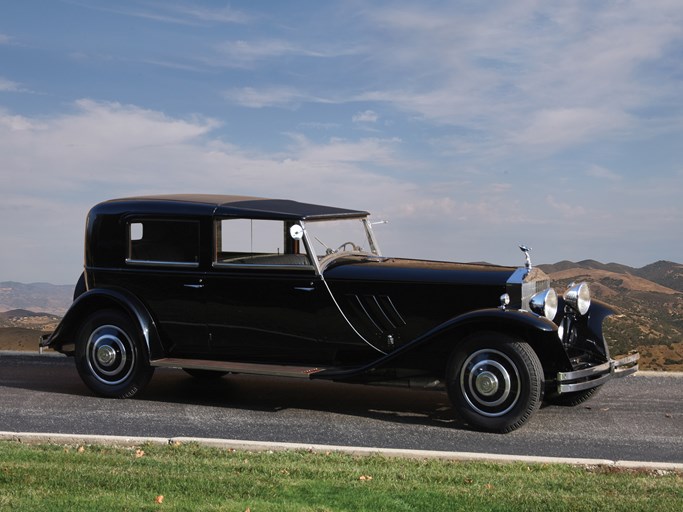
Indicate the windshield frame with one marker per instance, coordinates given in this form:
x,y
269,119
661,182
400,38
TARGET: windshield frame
x,y
323,261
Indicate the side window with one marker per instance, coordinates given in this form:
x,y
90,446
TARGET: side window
x,y
165,242
257,242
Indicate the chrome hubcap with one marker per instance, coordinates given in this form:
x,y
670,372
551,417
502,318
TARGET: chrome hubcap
x,y
486,383
105,355
110,354
490,382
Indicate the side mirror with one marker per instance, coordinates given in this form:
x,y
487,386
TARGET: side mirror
x,y
296,232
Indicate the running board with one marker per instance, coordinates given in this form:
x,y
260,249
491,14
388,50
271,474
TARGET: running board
x,y
301,372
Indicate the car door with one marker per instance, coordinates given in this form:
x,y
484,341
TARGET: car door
x,y
163,271
264,296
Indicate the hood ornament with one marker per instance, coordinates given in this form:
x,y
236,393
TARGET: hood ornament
x,y
526,250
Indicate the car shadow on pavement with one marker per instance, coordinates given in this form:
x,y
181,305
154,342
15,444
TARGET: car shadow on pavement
x,y
248,393
273,394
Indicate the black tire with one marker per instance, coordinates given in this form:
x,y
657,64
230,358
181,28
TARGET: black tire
x,y
494,382
204,374
574,398
110,356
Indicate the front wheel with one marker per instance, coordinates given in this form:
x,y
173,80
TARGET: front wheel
x,y
110,355
495,382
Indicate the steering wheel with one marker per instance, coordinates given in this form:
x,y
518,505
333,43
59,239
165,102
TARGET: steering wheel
x,y
353,246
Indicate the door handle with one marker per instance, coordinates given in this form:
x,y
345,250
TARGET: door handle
x,y
304,288
193,286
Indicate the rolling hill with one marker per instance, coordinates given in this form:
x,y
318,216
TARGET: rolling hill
x,y
648,302
40,297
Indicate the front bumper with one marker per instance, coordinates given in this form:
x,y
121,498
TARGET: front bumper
x,y
594,376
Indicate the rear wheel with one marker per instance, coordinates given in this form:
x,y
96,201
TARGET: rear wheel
x,y
110,355
495,382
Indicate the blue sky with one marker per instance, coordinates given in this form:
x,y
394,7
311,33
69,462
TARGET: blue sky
x,y
471,126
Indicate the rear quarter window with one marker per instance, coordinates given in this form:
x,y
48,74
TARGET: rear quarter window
x,y
163,242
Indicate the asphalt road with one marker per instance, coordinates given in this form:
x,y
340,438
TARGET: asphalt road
x,y
638,418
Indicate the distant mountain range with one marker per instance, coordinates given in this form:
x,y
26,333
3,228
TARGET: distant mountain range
x,y
665,273
36,297
648,302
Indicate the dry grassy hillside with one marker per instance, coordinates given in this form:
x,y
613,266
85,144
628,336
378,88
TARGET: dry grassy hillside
x,y
649,311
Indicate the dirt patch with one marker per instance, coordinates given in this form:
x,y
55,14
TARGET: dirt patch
x,y
667,357
21,339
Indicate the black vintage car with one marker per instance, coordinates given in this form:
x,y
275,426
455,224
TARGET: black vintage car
x,y
218,284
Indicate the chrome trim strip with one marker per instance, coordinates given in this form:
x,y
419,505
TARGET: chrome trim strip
x,y
309,249
152,263
392,308
374,247
218,264
301,372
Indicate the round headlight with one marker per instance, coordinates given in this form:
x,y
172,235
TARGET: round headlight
x,y
545,303
578,296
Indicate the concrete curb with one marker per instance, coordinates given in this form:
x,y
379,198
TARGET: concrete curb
x,y
261,446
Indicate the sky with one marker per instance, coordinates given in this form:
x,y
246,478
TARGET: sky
x,y
472,127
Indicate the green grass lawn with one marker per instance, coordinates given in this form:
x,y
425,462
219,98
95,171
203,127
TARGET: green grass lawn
x,y
189,477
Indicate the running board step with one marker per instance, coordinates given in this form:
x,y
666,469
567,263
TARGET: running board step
x,y
301,372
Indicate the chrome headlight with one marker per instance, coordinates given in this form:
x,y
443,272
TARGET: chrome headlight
x,y
545,303
578,296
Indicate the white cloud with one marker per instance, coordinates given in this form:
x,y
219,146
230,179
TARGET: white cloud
x,y
55,168
5,39
15,123
554,129
285,97
180,13
8,85
367,116
376,151
541,69
564,209
597,171
245,53
208,14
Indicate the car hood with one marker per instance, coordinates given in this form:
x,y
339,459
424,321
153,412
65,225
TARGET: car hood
x,y
412,270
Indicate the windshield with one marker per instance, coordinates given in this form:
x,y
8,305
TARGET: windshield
x,y
330,238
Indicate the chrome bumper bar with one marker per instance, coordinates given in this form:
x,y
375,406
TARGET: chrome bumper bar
x,y
596,375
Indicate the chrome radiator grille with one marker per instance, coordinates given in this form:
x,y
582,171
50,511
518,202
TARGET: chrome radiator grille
x,y
524,284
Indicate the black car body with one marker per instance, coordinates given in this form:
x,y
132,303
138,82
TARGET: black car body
x,y
228,284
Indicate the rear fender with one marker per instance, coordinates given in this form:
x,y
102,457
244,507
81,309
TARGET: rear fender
x,y
63,339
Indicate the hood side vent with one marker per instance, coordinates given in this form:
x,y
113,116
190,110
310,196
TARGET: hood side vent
x,y
388,308
377,311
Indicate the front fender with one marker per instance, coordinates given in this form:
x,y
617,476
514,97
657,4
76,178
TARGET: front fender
x,y
63,339
437,343
585,332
